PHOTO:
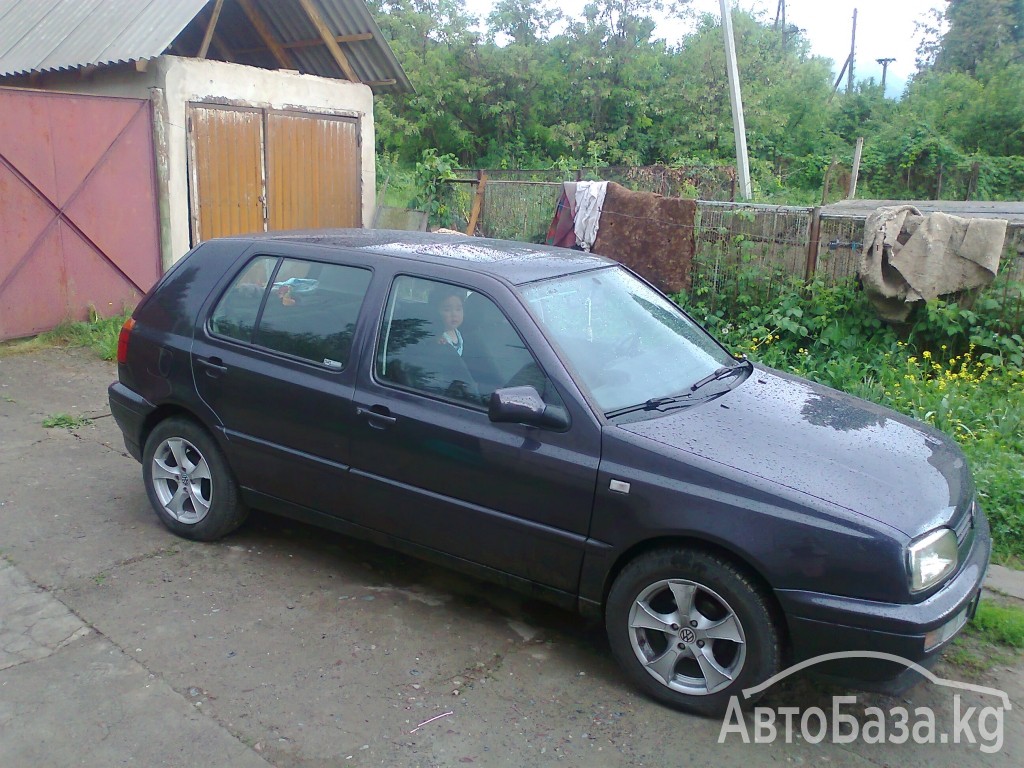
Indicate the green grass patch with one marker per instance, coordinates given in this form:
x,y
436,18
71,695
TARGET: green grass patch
x,y
97,333
995,637
65,421
999,625
974,656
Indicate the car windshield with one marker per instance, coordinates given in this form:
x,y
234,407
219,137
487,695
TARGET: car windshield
x,y
628,343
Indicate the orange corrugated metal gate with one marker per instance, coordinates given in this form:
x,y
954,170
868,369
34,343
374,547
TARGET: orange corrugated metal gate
x,y
79,221
226,161
254,170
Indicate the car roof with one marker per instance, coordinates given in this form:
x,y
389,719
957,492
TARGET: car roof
x,y
516,262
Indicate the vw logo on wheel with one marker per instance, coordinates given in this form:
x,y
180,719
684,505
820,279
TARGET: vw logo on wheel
x,y
688,635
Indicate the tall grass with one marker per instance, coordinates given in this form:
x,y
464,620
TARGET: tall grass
x,y
97,333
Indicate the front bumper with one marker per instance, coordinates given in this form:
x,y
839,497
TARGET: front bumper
x,y
822,623
130,411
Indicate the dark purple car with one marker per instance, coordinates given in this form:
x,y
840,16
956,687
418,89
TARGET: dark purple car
x,y
546,419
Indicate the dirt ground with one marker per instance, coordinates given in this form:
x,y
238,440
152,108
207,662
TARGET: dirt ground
x,y
284,645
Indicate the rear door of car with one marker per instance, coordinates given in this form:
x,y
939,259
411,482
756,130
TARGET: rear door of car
x,y
273,358
428,466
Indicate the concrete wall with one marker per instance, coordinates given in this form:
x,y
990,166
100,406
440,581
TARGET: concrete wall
x,y
172,82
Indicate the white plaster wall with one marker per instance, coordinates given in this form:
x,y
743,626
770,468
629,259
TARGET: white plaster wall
x,y
116,80
192,80
182,80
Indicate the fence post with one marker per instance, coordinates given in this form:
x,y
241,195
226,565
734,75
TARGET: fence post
x,y
478,199
813,235
855,171
972,185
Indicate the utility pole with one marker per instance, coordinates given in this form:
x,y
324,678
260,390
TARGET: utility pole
x,y
885,66
853,47
780,18
738,126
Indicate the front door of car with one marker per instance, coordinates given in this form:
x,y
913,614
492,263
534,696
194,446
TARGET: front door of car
x,y
272,362
431,468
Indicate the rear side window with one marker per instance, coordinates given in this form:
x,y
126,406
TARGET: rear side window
x,y
236,313
305,309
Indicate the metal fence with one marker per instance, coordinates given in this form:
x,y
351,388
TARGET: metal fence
x,y
518,211
519,204
706,182
767,246
755,248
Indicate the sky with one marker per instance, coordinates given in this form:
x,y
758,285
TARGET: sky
x,y
885,29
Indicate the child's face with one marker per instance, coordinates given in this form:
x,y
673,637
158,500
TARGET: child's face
x,y
451,313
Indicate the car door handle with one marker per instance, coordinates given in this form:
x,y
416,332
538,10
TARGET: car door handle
x,y
378,419
214,366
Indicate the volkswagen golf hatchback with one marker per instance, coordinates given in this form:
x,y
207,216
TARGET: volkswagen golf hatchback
x,y
546,419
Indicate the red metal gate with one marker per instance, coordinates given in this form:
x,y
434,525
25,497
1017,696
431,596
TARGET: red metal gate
x,y
79,223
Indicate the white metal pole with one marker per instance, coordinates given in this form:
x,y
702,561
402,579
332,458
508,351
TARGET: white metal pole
x,y
738,126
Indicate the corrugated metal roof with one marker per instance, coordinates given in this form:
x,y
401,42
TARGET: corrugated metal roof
x,y
40,35
46,35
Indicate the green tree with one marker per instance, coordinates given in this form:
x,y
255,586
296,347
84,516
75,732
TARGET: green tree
x,y
434,41
533,88
981,32
523,21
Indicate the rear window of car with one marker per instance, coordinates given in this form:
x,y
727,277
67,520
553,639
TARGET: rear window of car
x,y
304,309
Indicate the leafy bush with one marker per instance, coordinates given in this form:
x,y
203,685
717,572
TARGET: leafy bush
x,y
435,195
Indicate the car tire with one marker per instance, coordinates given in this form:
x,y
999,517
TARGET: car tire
x,y
189,483
691,629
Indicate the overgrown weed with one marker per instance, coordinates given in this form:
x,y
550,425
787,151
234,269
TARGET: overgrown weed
x,y
97,333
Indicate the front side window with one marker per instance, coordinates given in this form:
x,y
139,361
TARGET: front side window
x,y
305,309
627,342
446,340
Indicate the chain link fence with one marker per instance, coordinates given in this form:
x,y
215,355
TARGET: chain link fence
x,y
519,204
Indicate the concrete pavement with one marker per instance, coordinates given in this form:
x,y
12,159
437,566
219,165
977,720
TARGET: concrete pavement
x,y
287,646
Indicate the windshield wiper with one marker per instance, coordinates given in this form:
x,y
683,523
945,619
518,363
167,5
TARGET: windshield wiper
x,y
654,404
681,400
724,372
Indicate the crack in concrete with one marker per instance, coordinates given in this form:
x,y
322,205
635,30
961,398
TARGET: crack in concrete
x,y
87,628
162,551
36,623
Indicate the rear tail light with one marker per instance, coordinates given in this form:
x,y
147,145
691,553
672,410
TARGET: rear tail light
x,y
122,340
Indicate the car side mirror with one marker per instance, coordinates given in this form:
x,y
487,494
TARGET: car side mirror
x,y
524,405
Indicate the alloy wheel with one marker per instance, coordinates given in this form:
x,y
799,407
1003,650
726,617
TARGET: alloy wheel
x,y
687,637
182,480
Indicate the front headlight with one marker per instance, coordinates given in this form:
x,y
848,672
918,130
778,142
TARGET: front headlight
x,y
930,558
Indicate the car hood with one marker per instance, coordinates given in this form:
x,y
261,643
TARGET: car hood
x,y
825,444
